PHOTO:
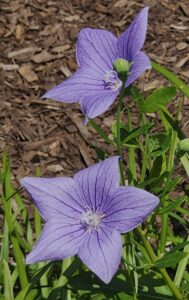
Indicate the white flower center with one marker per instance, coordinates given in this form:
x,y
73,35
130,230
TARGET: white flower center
x,y
91,219
112,81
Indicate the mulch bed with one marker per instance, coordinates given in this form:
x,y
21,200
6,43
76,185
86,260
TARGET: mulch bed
x,y
37,49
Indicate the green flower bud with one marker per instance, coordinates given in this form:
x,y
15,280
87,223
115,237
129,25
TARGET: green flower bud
x,y
184,145
122,67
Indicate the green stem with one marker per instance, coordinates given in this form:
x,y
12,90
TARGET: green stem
x,y
163,236
144,160
182,266
118,140
44,278
139,101
153,259
131,153
118,116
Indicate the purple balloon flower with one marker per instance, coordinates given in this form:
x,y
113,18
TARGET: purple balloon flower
x,y
96,83
86,216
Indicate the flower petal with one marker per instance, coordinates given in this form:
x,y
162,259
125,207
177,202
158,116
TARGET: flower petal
x,y
59,197
94,105
84,82
58,240
141,64
98,182
101,252
128,208
97,49
132,40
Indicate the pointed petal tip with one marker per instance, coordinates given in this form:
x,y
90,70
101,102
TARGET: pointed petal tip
x,y
27,181
24,181
49,94
144,11
156,201
32,259
45,95
106,280
29,259
146,8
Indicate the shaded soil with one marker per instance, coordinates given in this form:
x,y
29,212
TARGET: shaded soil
x,y
37,51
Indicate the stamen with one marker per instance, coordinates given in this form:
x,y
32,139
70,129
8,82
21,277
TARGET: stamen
x,y
111,81
91,219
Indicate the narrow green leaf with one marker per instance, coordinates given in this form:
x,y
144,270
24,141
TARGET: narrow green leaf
x,y
72,268
114,127
170,259
8,287
157,167
166,116
101,154
172,78
40,273
100,131
159,98
138,132
182,221
171,206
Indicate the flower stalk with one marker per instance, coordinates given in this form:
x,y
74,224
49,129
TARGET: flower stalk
x,y
118,140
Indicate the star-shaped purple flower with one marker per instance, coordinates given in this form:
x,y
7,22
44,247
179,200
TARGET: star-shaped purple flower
x,y
86,216
96,83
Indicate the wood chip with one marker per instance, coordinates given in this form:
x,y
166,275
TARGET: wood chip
x,y
185,8
9,67
28,146
55,168
182,62
72,18
65,71
181,46
79,124
19,32
27,156
179,27
119,23
151,85
59,49
42,57
121,3
27,72
84,150
185,74
54,148
31,50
